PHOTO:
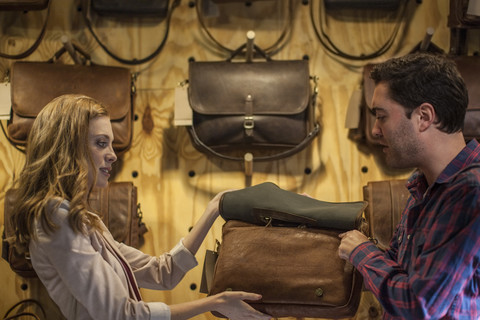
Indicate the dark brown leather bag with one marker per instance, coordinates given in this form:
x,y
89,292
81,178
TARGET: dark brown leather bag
x,y
296,270
266,108
386,201
34,84
23,5
117,205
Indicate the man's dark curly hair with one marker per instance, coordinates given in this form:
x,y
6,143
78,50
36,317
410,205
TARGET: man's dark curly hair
x,y
418,78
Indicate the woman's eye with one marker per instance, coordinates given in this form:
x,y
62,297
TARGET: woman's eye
x,y
102,144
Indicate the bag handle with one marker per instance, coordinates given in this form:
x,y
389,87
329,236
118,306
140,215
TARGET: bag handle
x,y
273,49
328,44
133,61
35,45
21,314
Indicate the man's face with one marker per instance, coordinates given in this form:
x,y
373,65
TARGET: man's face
x,y
100,138
395,132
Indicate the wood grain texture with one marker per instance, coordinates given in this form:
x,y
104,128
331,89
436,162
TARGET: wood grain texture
x,y
175,181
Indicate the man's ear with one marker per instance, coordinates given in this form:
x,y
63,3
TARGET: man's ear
x,y
426,116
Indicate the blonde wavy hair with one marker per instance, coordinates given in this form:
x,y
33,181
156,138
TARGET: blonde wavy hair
x,y
56,167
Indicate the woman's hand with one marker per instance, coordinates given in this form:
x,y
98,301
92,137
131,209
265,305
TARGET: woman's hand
x,y
194,239
231,304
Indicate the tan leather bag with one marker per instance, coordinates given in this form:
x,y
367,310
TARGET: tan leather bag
x,y
119,209
296,270
386,201
34,84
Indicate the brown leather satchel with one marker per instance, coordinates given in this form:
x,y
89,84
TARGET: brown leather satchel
x,y
119,209
386,201
34,84
296,270
266,108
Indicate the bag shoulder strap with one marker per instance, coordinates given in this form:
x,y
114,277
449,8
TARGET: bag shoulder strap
x,y
35,45
277,156
86,11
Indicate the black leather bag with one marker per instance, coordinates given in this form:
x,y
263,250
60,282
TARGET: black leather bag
x,y
266,108
137,8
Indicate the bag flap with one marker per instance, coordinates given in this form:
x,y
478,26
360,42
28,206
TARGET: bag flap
x,y
276,87
287,266
260,203
34,84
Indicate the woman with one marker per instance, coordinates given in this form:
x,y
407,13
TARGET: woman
x,y
87,273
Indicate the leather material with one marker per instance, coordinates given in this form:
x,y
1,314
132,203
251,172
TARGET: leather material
x,y
23,5
120,212
34,84
459,17
260,107
136,8
386,201
289,268
361,4
117,205
266,203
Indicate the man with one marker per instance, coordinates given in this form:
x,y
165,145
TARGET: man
x,y
431,270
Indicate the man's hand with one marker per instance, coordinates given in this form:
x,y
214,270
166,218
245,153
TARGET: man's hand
x,y
350,240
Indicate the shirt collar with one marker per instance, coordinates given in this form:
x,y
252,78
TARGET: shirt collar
x,y
468,156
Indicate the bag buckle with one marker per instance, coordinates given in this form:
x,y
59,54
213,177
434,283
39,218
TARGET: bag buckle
x,y
248,123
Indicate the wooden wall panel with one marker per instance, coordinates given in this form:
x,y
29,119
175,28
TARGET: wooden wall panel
x,y
175,181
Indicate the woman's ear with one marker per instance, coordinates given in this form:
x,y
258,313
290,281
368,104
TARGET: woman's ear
x,y
426,116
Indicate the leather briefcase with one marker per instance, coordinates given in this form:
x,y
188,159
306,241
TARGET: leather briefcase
x,y
386,201
266,108
34,84
118,206
296,270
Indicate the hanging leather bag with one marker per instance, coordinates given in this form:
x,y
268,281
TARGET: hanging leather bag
x,y
34,84
118,206
266,108
386,200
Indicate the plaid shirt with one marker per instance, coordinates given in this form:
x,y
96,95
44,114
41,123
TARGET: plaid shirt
x,y
432,270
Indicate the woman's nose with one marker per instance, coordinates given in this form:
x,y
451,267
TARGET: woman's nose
x,y
111,156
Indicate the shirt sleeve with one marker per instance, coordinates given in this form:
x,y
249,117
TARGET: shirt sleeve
x,y
80,281
446,257
163,272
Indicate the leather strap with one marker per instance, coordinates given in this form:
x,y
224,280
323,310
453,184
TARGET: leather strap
x,y
277,156
134,61
35,45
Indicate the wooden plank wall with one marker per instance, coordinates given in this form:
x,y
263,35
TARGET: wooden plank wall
x,y
175,181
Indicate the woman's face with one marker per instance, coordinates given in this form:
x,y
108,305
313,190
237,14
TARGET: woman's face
x,y
100,139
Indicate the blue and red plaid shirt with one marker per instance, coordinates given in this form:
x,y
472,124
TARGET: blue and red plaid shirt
x,y
432,269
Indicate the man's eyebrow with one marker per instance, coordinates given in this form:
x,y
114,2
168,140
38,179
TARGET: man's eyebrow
x,y
375,109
